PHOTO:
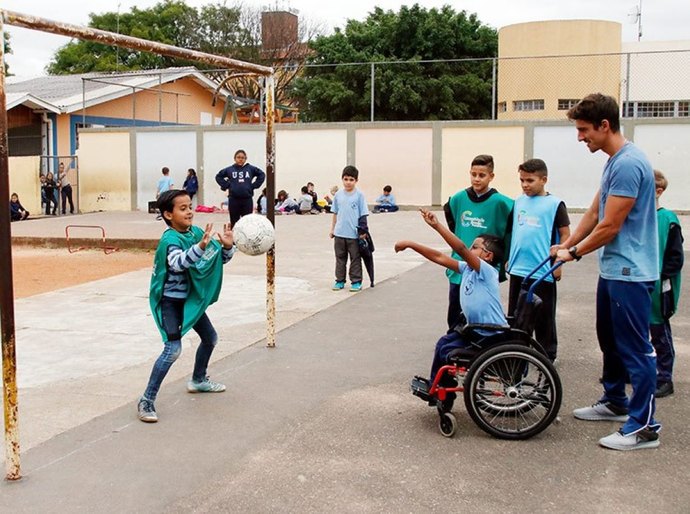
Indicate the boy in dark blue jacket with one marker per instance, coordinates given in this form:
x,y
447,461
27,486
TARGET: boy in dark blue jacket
x,y
240,180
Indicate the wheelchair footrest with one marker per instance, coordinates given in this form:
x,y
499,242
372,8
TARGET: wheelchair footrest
x,y
420,387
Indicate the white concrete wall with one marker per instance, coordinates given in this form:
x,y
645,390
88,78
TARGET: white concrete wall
x,y
176,150
24,181
219,151
402,156
317,156
399,157
574,172
668,150
462,145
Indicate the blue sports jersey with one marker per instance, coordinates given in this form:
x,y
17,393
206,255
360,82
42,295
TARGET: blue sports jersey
x,y
533,220
632,256
348,207
480,297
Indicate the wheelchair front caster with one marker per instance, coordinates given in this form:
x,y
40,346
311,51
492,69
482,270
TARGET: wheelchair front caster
x,y
447,424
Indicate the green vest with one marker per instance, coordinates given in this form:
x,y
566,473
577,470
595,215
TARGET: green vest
x,y
205,277
474,218
665,219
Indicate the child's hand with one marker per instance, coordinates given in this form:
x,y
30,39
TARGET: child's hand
x,y
331,234
429,217
227,238
401,245
207,236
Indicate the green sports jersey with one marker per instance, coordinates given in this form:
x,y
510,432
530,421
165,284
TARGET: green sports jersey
x,y
488,214
205,277
665,219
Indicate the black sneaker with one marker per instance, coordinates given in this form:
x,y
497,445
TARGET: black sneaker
x,y
664,389
147,412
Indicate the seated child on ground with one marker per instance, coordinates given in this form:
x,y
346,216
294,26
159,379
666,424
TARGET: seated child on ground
x,y
305,201
386,202
480,298
329,198
285,204
17,211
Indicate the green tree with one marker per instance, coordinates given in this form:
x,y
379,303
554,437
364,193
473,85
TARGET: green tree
x,y
407,89
233,31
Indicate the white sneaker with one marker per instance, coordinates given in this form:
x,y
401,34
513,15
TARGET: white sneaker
x,y
207,386
602,411
640,440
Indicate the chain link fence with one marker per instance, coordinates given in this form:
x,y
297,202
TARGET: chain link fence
x,y
646,85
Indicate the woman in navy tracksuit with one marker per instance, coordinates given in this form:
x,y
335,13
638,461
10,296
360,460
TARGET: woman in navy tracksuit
x,y
240,180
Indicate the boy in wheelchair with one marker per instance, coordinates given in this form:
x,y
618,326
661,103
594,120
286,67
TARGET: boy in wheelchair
x,y
480,298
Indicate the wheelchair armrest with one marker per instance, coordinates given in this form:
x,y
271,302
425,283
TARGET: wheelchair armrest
x,y
472,328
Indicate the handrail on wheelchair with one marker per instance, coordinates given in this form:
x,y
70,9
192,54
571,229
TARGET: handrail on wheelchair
x,y
533,286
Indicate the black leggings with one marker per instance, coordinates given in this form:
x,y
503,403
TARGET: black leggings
x,y
239,207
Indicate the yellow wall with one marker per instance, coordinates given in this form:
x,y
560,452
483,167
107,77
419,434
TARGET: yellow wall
x,y
400,157
104,172
549,76
24,172
461,145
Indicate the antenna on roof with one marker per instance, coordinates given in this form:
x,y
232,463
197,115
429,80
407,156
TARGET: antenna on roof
x,y
636,17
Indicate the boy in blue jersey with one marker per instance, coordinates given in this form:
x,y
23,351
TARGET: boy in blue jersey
x,y
540,220
350,213
480,297
386,202
187,277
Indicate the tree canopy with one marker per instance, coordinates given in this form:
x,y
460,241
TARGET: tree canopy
x,y
214,28
405,89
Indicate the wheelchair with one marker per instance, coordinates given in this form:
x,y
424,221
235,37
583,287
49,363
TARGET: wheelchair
x,y
510,387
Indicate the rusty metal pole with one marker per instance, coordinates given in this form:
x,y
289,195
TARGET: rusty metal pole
x,y
270,211
9,354
110,38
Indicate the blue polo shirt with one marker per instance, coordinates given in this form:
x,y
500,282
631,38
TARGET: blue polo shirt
x,y
632,256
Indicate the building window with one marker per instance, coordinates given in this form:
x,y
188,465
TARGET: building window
x,y
667,109
566,104
502,107
528,105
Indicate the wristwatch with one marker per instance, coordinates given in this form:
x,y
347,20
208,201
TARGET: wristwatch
x,y
573,253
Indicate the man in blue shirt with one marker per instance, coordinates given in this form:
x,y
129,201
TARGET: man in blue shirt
x,y
621,224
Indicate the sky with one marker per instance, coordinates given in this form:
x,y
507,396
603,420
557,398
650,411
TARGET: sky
x,y
662,20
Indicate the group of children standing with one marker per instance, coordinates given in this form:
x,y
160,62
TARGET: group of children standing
x,y
482,223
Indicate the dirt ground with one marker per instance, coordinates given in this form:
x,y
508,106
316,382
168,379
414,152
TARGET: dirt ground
x,y
39,270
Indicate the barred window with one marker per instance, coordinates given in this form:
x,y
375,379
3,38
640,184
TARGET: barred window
x,y
528,105
666,109
565,104
502,107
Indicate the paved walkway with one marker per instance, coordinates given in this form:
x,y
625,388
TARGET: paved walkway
x,y
322,422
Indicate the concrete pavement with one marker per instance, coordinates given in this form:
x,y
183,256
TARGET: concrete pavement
x,y
324,421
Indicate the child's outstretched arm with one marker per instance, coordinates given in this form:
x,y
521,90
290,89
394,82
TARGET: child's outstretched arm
x,y
453,241
429,253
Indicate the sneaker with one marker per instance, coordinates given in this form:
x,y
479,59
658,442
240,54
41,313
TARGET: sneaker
x,y
147,412
207,386
337,286
355,287
664,389
640,440
602,411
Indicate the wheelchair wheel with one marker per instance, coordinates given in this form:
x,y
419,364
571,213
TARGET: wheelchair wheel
x,y
512,392
447,424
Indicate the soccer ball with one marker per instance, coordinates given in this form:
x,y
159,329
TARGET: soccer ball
x,y
254,234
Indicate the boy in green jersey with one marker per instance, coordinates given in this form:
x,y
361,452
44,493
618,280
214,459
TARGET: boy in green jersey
x,y
479,209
